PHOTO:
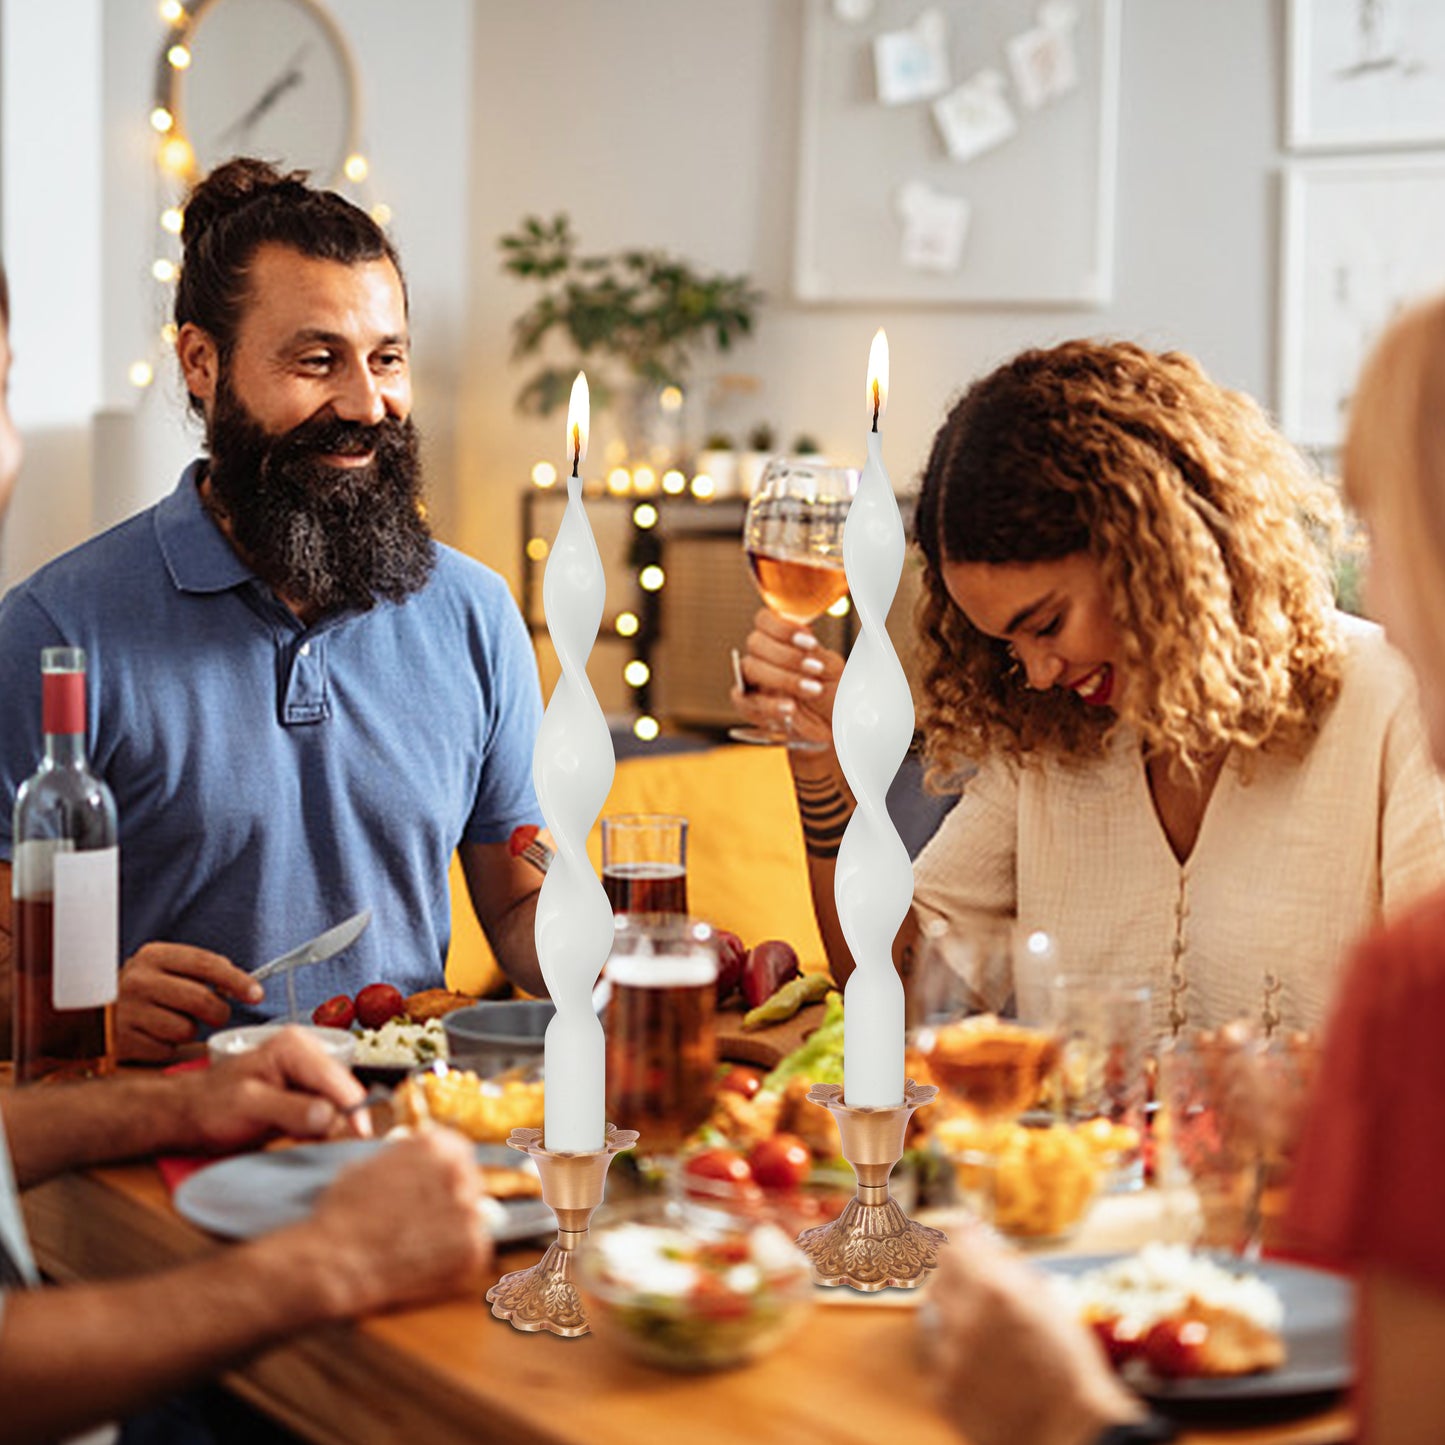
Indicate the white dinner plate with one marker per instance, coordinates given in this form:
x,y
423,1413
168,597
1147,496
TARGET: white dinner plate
x,y
252,1194
1318,1310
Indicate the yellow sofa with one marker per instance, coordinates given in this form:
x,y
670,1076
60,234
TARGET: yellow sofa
x,y
746,866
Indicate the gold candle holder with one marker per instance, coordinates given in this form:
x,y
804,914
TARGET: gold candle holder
x,y
545,1297
873,1244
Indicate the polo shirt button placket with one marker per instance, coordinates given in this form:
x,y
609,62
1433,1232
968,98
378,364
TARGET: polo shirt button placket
x,y
306,700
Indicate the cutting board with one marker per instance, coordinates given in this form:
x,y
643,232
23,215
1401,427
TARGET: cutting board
x,y
766,1046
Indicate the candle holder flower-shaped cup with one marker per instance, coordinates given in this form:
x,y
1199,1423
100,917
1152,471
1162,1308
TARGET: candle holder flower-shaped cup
x,y
545,1296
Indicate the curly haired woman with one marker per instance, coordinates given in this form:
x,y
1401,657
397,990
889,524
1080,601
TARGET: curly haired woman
x,y
1189,769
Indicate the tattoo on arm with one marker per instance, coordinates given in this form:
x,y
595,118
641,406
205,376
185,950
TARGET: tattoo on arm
x,y
825,812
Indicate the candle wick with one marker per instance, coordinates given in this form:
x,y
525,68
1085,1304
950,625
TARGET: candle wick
x,y
576,458
875,412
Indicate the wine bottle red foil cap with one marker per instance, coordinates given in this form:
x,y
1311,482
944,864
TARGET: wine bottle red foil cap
x,y
63,702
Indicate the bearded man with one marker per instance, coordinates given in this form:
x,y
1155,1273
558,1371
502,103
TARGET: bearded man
x,y
302,703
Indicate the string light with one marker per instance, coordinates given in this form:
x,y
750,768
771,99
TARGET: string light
x,y
651,578
674,483
644,481
619,481
141,374
177,166
703,487
646,728
670,398
176,156
537,549
840,608
544,474
636,673
644,515
626,624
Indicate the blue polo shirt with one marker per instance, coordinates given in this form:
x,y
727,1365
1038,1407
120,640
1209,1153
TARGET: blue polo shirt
x,y
274,778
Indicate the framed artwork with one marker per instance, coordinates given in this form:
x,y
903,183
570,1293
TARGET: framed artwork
x,y
1366,73
1362,238
954,152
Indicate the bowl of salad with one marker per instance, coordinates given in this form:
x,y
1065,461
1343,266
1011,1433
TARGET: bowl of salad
x,y
691,1285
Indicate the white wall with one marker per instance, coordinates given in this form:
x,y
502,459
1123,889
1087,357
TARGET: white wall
x,y
668,123
673,123
50,68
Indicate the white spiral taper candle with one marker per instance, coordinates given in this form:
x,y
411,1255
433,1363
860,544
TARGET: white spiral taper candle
x,y
572,769
872,728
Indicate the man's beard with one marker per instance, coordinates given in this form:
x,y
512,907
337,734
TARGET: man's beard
x,y
332,538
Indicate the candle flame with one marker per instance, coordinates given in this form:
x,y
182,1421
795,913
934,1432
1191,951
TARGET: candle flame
x,y
579,411
878,376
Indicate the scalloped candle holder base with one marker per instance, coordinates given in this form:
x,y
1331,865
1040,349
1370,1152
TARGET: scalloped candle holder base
x,y
873,1244
545,1296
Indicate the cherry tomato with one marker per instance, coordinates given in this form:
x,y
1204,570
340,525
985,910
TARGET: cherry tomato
x,y
1121,1340
335,1013
1172,1347
725,1164
376,1003
781,1162
720,1174
741,1080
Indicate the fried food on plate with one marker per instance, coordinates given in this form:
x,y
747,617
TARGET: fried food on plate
x,y
435,1003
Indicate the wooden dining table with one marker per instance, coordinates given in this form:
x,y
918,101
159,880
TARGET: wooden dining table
x,y
852,1375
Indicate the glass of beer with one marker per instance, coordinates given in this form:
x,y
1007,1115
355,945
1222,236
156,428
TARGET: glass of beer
x,y
661,1032
793,538
644,863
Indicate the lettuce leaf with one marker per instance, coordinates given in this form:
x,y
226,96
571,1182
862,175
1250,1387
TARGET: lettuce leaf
x,y
819,1058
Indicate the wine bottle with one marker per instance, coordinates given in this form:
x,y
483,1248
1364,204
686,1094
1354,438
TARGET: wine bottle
x,y
66,892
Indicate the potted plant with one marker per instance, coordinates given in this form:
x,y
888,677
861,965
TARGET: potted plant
x,y
636,319
719,460
762,448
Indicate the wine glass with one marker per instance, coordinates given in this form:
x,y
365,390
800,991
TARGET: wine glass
x,y
1019,1169
661,1032
991,1069
793,538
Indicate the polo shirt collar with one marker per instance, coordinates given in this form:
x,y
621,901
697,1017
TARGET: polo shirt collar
x,y
197,554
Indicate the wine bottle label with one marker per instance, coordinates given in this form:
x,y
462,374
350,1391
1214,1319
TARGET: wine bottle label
x,y
33,875
87,928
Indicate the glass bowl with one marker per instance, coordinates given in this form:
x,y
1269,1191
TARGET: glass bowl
x,y
693,1285
339,1043
1033,1179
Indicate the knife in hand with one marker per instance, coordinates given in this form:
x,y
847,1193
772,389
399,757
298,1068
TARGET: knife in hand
x,y
323,946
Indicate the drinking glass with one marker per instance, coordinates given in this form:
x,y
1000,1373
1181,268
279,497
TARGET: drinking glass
x,y
793,538
1103,1029
1230,1109
661,1032
644,862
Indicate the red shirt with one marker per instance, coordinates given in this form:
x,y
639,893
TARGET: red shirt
x,y
1369,1181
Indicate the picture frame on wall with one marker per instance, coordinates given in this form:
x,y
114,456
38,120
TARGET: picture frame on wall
x,y
1366,74
1362,238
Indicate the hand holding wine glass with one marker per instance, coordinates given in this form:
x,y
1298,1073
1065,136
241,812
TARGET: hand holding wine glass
x,y
786,677
793,538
